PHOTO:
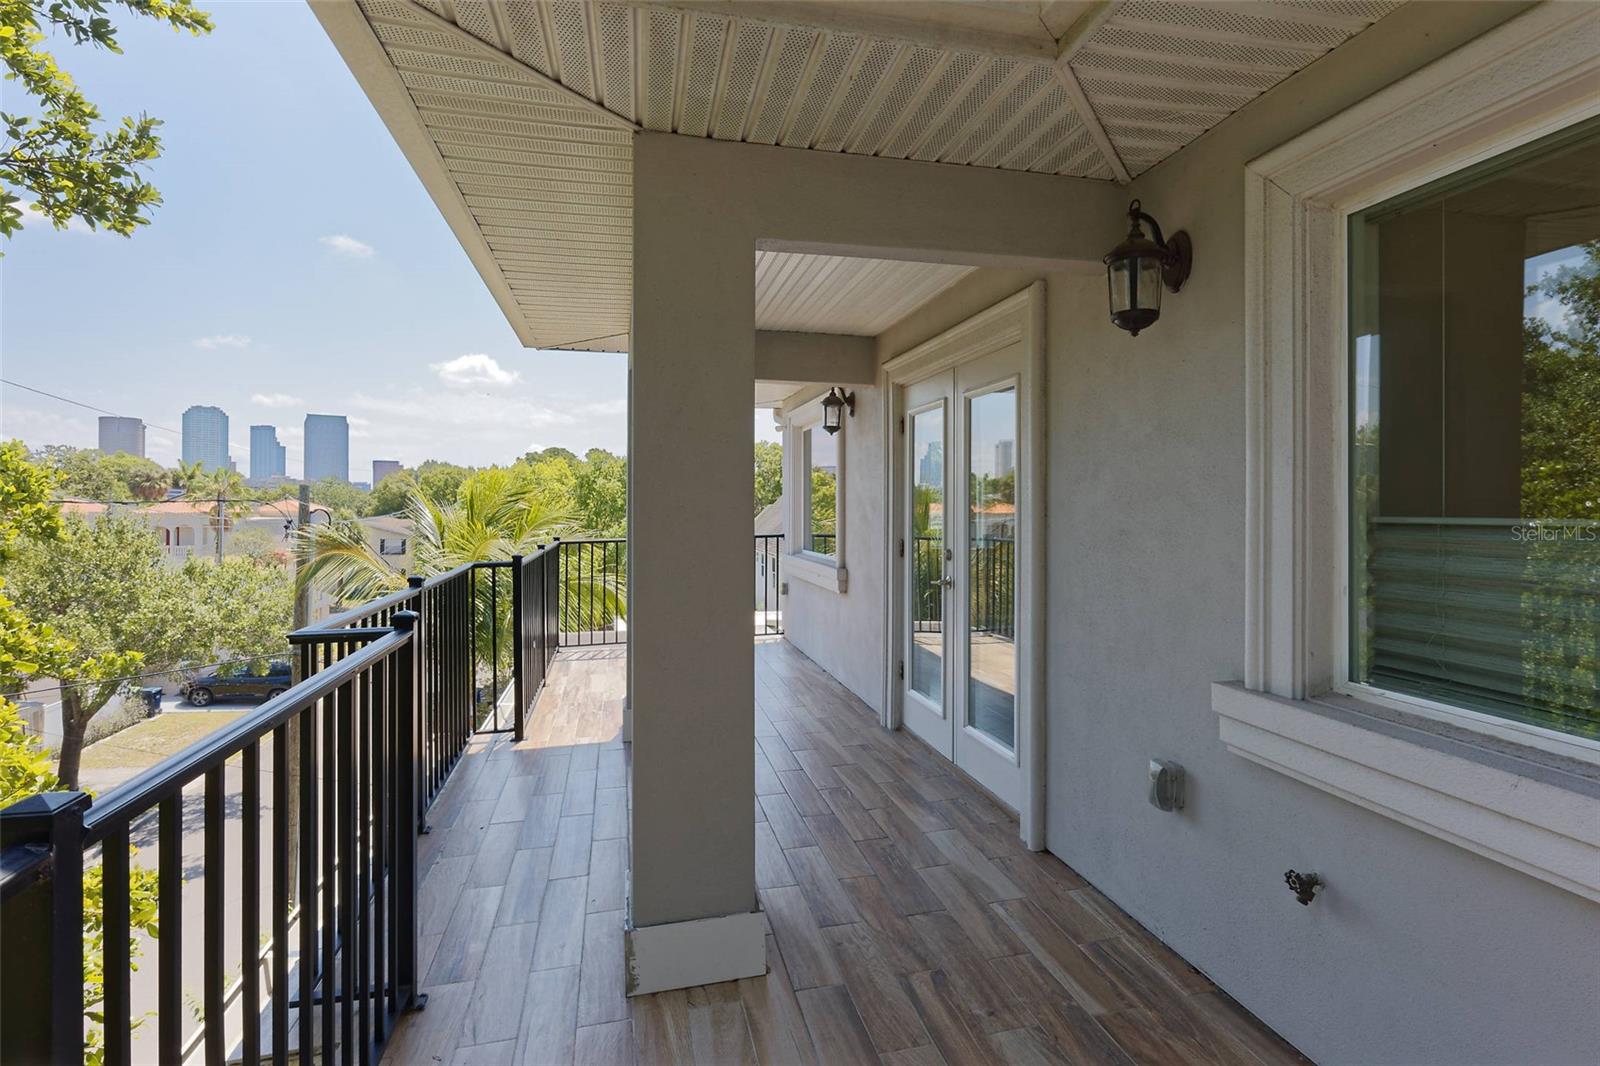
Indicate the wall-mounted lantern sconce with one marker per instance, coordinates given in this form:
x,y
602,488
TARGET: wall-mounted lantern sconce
x,y
1138,268
833,408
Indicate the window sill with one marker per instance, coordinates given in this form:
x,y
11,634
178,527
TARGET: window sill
x,y
1526,808
814,571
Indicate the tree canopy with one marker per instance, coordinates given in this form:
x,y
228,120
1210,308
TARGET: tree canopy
x,y
1561,397
62,155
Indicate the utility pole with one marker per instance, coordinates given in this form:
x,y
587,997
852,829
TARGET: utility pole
x,y
302,594
302,618
222,519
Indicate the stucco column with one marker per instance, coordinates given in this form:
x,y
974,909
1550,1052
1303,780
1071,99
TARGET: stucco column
x,y
693,897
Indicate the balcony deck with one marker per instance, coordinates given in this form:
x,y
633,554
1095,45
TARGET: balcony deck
x,y
907,924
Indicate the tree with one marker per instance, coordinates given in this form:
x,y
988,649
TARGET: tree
x,y
552,477
769,473
340,497
242,609
25,507
73,168
496,514
600,494
182,475
1561,397
26,650
390,494
439,480
565,455
105,590
93,475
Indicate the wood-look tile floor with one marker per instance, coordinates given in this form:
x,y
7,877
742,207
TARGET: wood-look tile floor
x,y
907,925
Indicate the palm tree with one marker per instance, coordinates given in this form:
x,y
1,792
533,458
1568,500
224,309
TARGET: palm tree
x,y
496,514
185,475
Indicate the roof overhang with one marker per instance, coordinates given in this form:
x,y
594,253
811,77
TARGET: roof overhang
x,y
519,117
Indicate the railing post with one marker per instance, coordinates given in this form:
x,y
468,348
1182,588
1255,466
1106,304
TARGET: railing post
x,y
421,726
518,635
561,584
41,933
408,812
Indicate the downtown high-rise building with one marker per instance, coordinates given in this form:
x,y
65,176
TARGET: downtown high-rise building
x,y
124,435
327,447
382,468
267,458
205,437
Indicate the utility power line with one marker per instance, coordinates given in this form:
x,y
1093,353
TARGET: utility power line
x,y
85,406
244,448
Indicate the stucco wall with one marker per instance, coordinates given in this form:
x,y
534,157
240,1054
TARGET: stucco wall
x,y
1419,951
843,632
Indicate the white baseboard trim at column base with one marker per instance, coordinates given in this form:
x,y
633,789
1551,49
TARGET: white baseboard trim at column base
x,y
700,952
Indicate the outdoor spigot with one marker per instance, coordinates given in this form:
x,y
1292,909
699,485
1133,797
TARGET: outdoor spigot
x,y
1304,886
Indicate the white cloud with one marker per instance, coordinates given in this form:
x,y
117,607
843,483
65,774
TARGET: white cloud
x,y
474,369
347,246
276,399
223,340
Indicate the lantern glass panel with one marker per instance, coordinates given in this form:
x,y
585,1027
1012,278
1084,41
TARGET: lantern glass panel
x,y
1135,283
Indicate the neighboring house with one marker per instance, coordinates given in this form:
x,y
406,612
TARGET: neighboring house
x,y
189,527
185,527
390,536
918,207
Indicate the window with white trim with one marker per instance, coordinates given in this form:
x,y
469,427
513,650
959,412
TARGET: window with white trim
x,y
821,487
814,478
1474,447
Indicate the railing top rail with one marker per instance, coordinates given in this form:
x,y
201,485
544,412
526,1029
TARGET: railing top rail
x,y
351,615
593,540
169,776
352,634
440,579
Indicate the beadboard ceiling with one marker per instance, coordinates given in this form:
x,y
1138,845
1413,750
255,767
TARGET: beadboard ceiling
x,y
519,114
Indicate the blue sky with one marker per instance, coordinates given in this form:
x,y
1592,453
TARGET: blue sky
x,y
297,265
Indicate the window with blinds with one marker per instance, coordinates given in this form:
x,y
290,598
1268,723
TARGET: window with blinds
x,y
1475,437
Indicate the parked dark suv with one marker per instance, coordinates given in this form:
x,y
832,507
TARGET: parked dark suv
x,y
246,685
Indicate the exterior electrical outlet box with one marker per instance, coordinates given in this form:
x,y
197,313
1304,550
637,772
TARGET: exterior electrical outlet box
x,y
1166,785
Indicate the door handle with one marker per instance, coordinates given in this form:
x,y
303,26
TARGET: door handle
x,y
948,582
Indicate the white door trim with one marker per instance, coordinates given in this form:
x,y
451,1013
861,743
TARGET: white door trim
x,y
1017,319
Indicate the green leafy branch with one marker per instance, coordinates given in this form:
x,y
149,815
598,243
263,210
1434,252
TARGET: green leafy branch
x,y
61,157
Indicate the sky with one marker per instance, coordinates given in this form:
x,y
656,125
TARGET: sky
x,y
297,265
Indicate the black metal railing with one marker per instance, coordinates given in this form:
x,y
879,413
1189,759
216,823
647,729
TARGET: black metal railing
x,y
536,592
991,585
337,774
352,898
769,583
593,592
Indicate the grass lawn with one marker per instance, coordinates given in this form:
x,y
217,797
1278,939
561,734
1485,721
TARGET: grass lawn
x,y
148,742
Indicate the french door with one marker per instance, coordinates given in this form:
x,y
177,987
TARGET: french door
x,y
960,509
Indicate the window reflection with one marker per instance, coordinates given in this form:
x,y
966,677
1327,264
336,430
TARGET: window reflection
x,y
1475,450
992,564
927,554
822,461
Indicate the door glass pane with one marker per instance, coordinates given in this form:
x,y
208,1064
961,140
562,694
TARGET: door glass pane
x,y
822,455
992,564
925,558
1475,437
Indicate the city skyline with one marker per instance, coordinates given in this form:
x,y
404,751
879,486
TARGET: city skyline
x,y
205,437
284,310
327,444
267,456
121,435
